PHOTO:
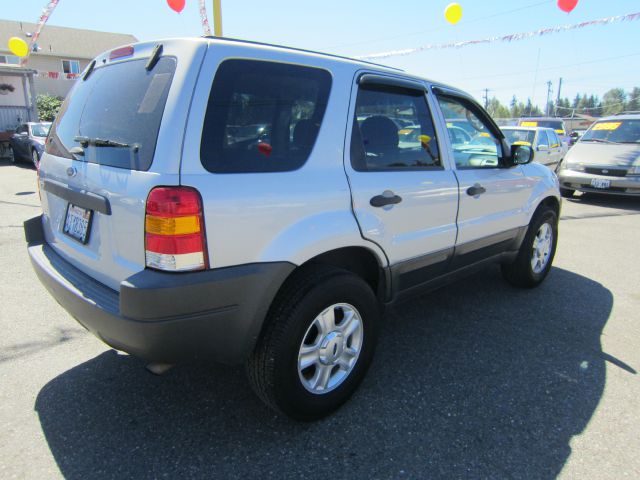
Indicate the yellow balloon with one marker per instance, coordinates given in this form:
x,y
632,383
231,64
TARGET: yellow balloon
x,y
453,13
18,47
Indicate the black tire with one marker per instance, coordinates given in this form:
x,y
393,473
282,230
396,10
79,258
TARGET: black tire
x,y
35,158
12,155
566,192
272,368
520,272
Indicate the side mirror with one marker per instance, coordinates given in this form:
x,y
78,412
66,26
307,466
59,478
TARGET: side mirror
x,y
543,148
521,154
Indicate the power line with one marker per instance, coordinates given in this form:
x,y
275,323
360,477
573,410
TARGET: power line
x,y
420,32
522,72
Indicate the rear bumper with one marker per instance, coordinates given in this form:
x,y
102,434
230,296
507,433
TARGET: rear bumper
x,y
581,181
165,317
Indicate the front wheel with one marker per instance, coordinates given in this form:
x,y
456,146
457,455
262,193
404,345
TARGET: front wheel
x,y
534,259
35,158
318,343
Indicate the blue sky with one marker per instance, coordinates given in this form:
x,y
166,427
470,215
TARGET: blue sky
x,y
590,60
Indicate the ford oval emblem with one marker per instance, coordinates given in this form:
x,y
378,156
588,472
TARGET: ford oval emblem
x,y
71,171
604,170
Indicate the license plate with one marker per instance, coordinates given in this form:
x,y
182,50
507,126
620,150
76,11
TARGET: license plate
x,y
77,223
600,183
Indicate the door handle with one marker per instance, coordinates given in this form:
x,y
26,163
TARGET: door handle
x,y
477,189
387,198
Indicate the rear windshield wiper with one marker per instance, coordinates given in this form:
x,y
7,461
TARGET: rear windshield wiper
x,y
99,142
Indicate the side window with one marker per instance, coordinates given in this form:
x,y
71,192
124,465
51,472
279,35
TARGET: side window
x,y
393,130
262,116
544,138
554,140
473,143
22,129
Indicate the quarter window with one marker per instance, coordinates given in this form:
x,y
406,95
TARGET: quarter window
x,y
70,66
474,144
393,130
263,116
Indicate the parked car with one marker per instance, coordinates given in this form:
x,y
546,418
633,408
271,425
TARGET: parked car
x,y
544,141
547,122
606,159
167,237
574,136
28,142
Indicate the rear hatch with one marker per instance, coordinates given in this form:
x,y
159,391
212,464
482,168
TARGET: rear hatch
x,y
118,134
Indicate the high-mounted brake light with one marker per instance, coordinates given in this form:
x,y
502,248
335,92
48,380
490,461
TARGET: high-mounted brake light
x,y
174,230
121,52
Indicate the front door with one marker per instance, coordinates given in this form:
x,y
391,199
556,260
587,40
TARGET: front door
x,y
405,198
492,197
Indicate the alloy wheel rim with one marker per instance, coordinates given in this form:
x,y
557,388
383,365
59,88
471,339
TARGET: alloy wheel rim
x,y
330,348
34,158
541,249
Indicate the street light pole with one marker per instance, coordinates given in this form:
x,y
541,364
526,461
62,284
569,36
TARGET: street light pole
x,y
217,18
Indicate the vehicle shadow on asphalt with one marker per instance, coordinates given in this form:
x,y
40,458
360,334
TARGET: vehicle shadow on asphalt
x,y
478,380
631,204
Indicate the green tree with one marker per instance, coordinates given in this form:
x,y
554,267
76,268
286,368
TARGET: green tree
x,y
576,101
614,101
48,107
633,102
497,110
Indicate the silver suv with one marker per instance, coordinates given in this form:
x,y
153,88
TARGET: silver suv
x,y
254,204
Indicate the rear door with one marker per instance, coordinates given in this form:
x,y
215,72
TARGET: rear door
x,y
543,148
405,196
108,148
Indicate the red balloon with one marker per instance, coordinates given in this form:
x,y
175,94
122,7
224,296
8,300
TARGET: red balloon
x,y
176,5
567,5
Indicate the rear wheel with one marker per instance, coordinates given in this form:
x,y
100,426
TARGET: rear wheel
x,y
536,253
319,341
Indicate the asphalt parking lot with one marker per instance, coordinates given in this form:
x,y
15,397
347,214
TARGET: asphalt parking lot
x,y
478,380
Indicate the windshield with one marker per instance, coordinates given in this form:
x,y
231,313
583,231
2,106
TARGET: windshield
x,y
40,129
526,136
620,131
557,125
113,117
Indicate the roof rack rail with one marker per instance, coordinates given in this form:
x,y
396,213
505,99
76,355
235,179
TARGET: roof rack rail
x,y
302,50
629,112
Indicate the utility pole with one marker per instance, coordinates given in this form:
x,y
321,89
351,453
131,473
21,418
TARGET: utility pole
x,y
558,97
549,85
217,18
486,98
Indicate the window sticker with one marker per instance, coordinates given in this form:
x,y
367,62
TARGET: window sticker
x,y
607,126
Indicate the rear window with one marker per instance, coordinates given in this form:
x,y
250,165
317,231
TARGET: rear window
x,y
113,117
263,116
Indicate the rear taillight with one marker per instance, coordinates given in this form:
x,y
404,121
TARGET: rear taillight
x,y
174,230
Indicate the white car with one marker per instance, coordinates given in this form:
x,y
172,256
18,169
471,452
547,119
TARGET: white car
x,y
549,149
173,232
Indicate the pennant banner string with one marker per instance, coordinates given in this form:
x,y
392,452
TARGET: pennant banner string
x,y
46,13
203,18
505,38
